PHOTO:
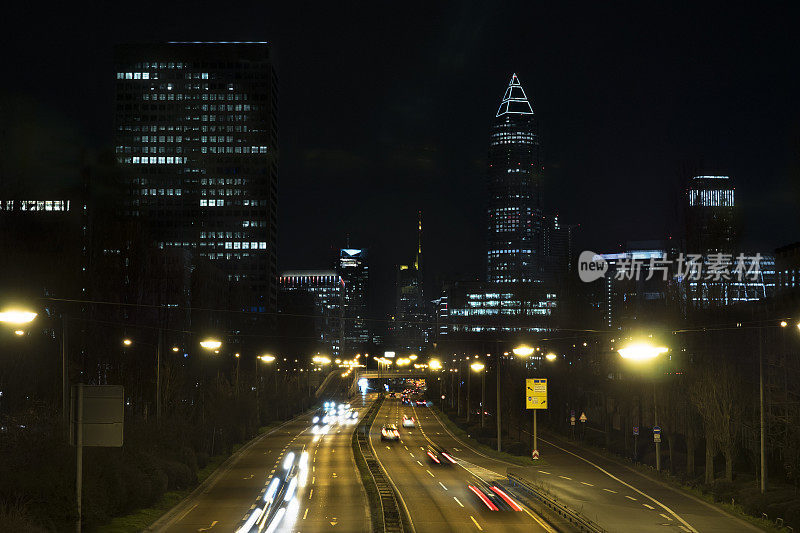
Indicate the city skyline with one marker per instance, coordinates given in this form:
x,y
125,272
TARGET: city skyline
x,y
595,150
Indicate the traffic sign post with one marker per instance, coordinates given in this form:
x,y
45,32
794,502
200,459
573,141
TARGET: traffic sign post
x,y
535,454
656,434
535,399
635,443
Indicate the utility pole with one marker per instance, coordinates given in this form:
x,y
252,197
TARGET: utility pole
x,y
761,413
64,373
159,347
499,359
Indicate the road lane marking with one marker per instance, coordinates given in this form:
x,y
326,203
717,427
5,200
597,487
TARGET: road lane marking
x,y
420,464
630,497
611,491
476,523
587,484
187,512
306,513
543,472
310,493
313,479
649,506
442,484
615,478
458,502
428,471
214,523
411,454
565,477
665,516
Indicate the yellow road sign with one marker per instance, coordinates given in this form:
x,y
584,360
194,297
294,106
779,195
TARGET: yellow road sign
x,y
536,393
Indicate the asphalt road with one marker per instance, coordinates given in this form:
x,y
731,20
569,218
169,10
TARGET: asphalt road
x,y
332,498
437,496
610,493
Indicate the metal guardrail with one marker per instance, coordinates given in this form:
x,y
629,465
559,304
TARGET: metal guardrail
x,y
576,520
392,517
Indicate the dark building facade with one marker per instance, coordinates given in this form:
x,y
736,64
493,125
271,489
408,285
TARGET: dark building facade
x,y
325,290
196,138
353,268
515,210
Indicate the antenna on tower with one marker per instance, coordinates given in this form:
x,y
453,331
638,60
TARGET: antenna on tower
x,y
419,240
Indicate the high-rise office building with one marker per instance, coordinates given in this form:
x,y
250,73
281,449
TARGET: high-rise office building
x,y
353,268
515,210
412,324
327,293
196,137
711,215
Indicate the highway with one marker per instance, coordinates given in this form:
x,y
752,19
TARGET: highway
x,y
332,497
437,496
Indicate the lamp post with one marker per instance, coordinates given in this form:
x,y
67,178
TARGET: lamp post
x,y
639,352
267,359
127,342
476,367
520,351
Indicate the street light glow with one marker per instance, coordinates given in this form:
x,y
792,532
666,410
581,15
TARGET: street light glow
x,y
477,367
551,356
435,364
211,344
523,350
17,316
321,359
175,349
641,351
267,358
127,342
19,332
413,357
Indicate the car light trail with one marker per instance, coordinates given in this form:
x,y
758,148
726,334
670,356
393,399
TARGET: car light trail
x,y
506,498
484,499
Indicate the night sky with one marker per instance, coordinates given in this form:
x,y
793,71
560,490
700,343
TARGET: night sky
x,y
385,110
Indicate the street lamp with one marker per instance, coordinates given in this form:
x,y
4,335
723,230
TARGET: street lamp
x,y
551,356
435,364
644,351
477,367
17,317
127,342
523,350
19,332
211,344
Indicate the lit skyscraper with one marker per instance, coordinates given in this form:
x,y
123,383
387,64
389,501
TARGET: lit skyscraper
x,y
710,218
515,210
196,136
353,268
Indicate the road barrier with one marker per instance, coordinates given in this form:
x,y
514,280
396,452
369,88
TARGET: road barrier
x,y
389,508
581,523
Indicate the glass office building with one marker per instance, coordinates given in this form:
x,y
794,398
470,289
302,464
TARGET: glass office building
x,y
196,137
515,210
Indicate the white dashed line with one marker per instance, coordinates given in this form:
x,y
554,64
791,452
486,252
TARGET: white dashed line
x,y
587,484
565,477
611,491
476,523
458,502
631,498
442,484
649,506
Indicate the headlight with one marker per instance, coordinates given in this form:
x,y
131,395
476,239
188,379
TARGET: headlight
x,y
316,419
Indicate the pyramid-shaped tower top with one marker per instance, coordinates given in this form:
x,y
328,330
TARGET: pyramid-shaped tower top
x,y
515,102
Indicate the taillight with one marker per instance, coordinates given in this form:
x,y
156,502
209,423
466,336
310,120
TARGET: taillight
x,y
449,458
433,457
484,499
507,499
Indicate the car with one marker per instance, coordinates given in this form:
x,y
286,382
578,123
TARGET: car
x,y
422,403
405,401
280,496
439,455
493,496
389,432
391,395
320,417
408,421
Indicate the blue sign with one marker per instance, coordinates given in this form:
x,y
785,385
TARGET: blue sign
x,y
657,430
635,430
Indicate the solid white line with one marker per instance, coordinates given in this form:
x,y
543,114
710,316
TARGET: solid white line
x,y
458,502
615,478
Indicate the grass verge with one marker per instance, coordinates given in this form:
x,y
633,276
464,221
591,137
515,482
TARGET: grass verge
x,y
370,487
140,519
